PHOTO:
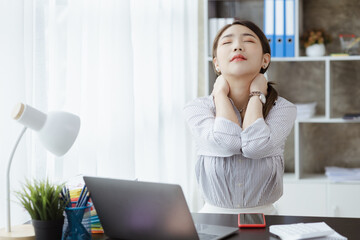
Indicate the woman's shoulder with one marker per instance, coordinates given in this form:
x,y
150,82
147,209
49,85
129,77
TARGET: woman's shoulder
x,y
282,102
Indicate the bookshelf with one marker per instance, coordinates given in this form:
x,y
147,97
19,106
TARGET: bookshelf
x,y
332,82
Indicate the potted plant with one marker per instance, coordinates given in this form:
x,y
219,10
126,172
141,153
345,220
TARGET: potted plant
x,y
43,202
314,42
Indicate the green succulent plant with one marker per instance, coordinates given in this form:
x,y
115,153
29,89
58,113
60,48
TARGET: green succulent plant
x,y
42,200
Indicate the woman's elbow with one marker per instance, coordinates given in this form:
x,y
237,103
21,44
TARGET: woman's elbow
x,y
258,151
231,145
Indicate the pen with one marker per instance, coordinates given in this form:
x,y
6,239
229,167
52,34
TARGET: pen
x,y
80,197
69,198
84,202
84,199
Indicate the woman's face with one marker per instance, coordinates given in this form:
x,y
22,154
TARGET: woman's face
x,y
239,52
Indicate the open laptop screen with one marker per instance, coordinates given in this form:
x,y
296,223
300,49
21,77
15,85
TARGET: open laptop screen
x,y
141,210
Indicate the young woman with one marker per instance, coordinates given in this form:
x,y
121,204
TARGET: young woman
x,y
241,128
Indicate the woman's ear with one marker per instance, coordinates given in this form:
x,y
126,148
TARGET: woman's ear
x,y
216,65
266,60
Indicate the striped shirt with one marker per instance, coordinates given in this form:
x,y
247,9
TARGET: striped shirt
x,y
239,168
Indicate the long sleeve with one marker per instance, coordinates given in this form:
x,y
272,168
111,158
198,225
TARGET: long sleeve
x,y
220,137
264,138
213,136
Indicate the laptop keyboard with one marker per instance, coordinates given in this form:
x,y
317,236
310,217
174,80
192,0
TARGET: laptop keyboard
x,y
204,236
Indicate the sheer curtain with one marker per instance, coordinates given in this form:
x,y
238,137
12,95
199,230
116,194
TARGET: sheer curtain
x,y
125,67
165,70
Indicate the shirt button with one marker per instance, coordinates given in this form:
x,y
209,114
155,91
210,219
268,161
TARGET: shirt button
x,y
240,184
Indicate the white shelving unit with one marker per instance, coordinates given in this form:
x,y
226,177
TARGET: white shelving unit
x,y
318,188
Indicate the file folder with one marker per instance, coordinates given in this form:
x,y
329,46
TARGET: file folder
x,y
279,28
230,20
289,28
221,22
269,23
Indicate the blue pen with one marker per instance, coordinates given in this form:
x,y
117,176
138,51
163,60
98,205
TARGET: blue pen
x,y
62,194
80,197
84,199
69,198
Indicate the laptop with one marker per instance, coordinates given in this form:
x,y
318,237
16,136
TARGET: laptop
x,y
145,210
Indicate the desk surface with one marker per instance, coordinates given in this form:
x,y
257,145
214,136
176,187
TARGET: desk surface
x,y
348,227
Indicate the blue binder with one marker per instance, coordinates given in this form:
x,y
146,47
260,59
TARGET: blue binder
x,y
279,28
289,28
269,23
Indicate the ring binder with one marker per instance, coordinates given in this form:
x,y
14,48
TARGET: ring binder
x,y
279,28
289,28
269,23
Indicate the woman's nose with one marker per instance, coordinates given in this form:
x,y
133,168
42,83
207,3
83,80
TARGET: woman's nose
x,y
238,47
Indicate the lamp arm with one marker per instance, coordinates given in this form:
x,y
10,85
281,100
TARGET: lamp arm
x,y
8,217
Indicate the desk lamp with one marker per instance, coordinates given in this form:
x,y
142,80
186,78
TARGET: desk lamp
x,y
57,131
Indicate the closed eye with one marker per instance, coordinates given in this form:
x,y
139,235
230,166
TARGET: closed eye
x,y
250,40
226,43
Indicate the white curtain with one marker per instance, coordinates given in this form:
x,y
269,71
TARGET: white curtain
x,y
125,67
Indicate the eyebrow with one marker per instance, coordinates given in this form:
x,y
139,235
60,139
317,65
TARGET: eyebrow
x,y
244,34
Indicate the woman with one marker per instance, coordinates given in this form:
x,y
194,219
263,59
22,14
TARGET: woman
x,y
241,128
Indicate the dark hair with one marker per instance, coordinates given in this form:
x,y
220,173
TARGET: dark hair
x,y
272,94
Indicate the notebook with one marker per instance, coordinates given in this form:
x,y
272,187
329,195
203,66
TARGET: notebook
x,y
145,210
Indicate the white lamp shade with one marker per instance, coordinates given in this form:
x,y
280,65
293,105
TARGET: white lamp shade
x,y
57,130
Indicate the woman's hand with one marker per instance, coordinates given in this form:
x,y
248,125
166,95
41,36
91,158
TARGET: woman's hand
x,y
259,83
221,86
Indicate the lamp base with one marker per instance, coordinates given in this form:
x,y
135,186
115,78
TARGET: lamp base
x,y
23,232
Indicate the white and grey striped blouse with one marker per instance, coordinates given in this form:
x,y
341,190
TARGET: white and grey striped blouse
x,y
239,168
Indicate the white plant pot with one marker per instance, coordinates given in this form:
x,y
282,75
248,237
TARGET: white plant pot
x,y
315,50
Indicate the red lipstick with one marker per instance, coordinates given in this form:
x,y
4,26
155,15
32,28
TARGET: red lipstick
x,y
238,57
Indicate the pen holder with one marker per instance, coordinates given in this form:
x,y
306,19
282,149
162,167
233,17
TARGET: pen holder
x,y
77,224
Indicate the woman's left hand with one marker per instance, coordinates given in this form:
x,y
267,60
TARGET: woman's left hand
x,y
259,83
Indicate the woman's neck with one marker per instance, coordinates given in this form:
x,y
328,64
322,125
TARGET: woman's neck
x,y
239,91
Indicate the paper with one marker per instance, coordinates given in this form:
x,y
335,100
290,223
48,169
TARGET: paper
x,y
305,110
339,174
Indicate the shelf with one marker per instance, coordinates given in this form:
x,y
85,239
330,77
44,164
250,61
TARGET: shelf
x,y
315,59
322,119
309,59
308,178
313,178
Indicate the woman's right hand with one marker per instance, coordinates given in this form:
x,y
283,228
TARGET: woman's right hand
x,y
221,86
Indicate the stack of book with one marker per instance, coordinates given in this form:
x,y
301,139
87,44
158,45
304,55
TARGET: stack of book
x,y
351,116
305,110
95,222
338,174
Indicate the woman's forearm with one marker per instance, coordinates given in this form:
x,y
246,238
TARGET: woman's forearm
x,y
224,108
253,111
